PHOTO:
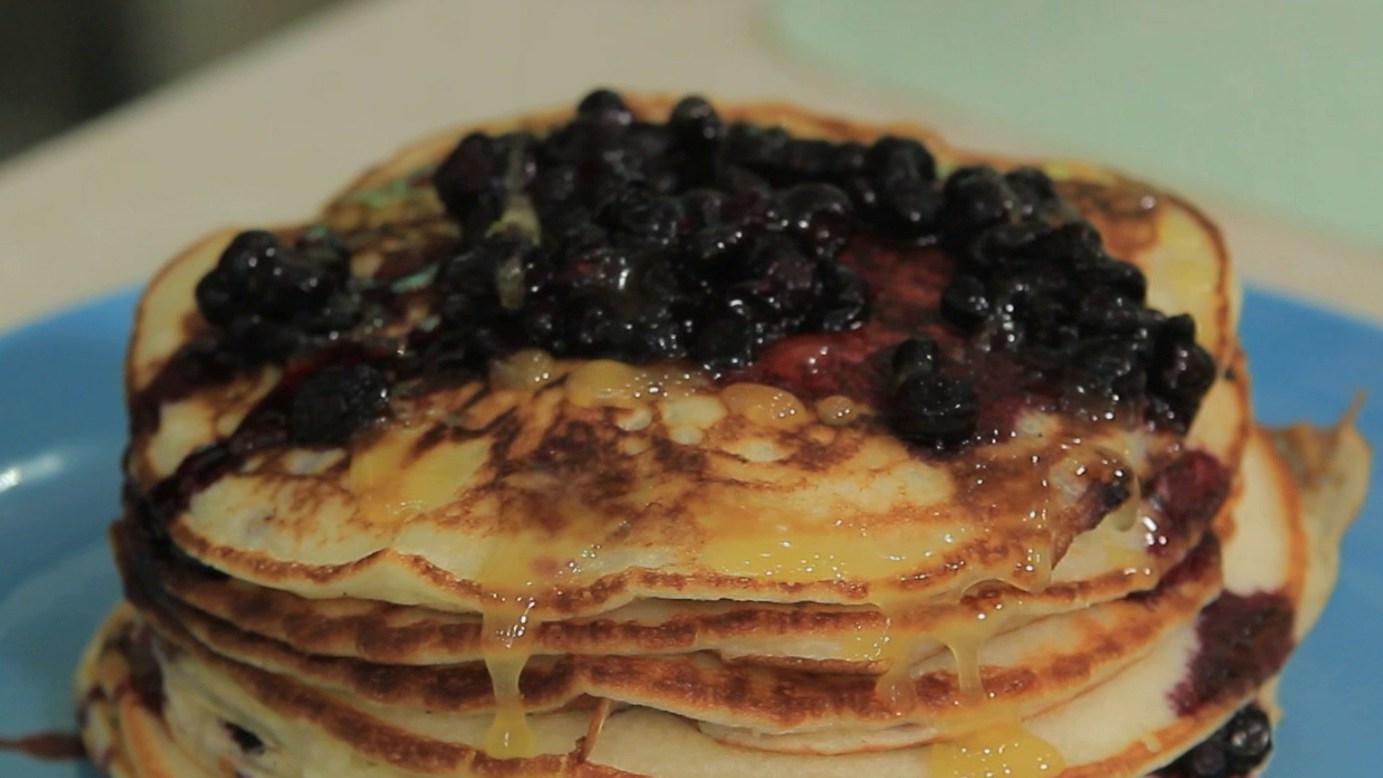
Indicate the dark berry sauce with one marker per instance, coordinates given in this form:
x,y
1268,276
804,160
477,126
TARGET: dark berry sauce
x,y
1243,641
49,746
1184,497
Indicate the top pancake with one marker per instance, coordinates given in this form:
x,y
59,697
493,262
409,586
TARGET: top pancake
x,y
607,483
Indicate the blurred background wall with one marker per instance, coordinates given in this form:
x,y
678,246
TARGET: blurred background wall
x,y
64,61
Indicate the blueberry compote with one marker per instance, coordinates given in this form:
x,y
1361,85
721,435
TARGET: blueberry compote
x,y
821,267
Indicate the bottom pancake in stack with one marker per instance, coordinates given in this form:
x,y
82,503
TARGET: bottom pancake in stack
x,y
937,493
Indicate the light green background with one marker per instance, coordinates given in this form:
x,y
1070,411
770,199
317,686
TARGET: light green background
x,y
1274,103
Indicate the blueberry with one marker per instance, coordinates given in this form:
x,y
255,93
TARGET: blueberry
x,y
933,409
761,149
724,343
1185,372
906,209
784,279
713,244
1116,275
1049,331
1104,313
862,193
1034,189
1074,244
694,120
755,209
844,300
891,159
475,272
471,177
917,355
631,329
660,177
1002,244
1234,750
603,266
847,160
654,219
542,321
218,292
605,107
1248,739
820,215
965,303
702,206
1111,367
261,289
975,197
1177,329
573,233
333,403
647,140
1181,371
585,143
807,159
740,180
1206,760
608,184
554,188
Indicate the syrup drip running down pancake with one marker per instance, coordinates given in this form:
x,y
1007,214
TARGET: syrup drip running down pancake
x,y
796,445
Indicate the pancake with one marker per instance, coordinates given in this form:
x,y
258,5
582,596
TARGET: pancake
x,y
787,445
1267,564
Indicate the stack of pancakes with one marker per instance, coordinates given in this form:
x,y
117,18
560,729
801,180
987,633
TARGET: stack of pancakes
x,y
588,568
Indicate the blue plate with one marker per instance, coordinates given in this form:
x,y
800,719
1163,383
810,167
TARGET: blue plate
x,y
62,427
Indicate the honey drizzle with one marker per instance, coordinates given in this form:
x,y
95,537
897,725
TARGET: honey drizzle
x,y
887,644
528,368
836,410
509,628
996,743
965,635
506,645
766,405
607,383
1006,749
512,613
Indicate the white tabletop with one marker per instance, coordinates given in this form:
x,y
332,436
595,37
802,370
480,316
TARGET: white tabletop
x,y
267,135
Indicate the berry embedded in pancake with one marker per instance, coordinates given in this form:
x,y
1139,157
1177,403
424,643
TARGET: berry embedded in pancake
x,y
789,443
